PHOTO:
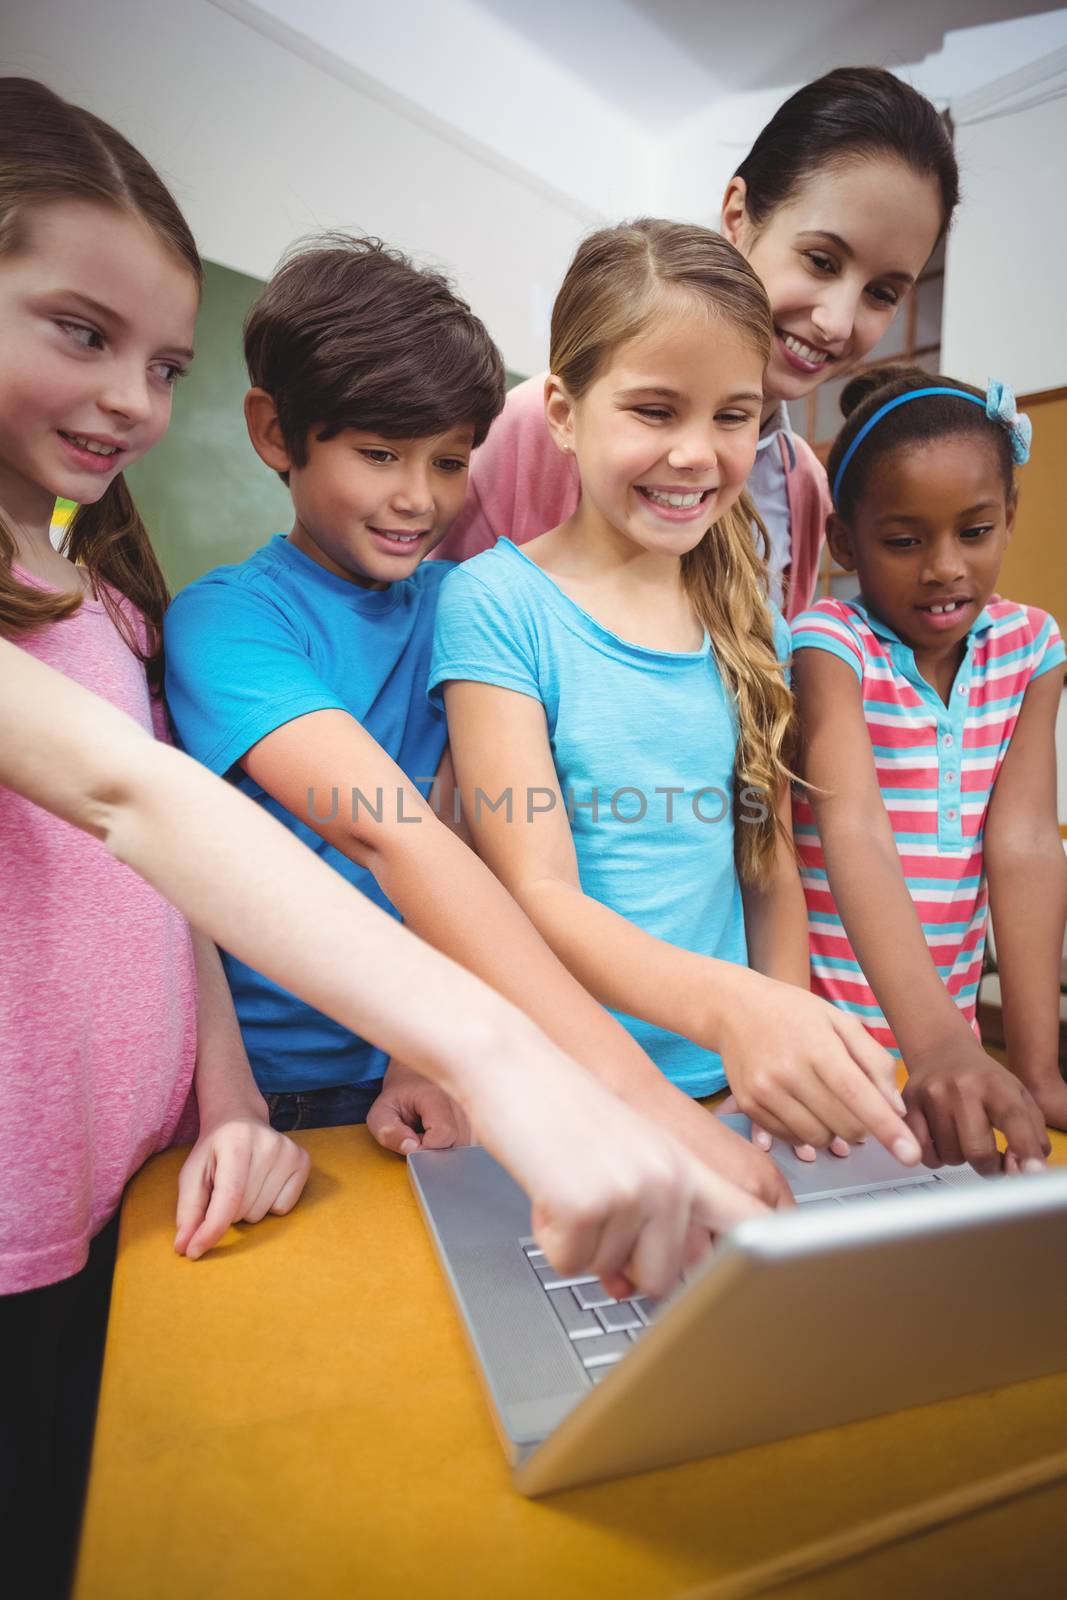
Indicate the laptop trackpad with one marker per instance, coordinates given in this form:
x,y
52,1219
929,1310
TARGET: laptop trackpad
x,y
869,1167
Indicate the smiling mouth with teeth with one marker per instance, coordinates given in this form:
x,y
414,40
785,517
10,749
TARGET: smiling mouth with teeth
x,y
677,500
806,352
93,447
396,537
944,607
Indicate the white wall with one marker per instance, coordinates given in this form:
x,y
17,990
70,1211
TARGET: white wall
x,y
702,152
1004,300
261,145
469,68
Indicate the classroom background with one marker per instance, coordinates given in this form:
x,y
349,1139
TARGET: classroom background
x,y
487,136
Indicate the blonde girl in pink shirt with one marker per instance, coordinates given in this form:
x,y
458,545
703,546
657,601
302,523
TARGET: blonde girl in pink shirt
x,y
838,205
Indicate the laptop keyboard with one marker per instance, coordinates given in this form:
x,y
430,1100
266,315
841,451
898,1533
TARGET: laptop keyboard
x,y
602,1329
881,1192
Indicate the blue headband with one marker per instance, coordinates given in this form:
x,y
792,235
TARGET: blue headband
x,y
998,404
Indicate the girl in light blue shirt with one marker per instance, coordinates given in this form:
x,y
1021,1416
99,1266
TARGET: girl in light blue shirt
x,y
618,707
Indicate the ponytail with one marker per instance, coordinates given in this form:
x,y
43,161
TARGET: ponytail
x,y
111,541
726,579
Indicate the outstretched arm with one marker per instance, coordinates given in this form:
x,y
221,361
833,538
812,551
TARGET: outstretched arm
x,y
776,931
796,1067
608,1192
452,900
956,1094
1027,874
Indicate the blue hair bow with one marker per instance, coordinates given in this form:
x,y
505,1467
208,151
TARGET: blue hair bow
x,y
1000,407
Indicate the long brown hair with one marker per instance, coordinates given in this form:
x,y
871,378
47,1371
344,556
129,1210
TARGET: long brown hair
x,y
614,287
52,151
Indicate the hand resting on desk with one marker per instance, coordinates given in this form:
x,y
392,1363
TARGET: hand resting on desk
x,y
411,1113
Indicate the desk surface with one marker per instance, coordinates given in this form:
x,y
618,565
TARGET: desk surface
x,y
297,1415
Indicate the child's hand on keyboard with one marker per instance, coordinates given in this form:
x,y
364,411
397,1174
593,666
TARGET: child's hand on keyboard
x,y
611,1193
957,1096
763,1140
808,1073
411,1113
731,1155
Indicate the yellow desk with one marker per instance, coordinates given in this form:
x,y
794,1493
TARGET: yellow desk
x,y
297,1416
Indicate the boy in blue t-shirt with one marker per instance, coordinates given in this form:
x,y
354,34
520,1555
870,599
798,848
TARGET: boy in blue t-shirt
x,y
302,672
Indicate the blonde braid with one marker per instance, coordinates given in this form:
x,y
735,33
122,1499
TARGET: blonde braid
x,y
726,579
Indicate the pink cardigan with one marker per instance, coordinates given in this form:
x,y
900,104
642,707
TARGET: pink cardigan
x,y
520,485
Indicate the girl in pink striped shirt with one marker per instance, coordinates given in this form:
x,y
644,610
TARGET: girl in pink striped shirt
x,y
928,709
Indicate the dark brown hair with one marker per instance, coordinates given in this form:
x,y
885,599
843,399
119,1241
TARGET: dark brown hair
x,y
51,151
917,423
620,279
351,334
851,114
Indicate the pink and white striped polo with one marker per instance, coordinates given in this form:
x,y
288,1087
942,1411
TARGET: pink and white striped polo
x,y
936,766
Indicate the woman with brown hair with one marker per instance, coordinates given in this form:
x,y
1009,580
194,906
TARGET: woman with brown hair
x,y
837,206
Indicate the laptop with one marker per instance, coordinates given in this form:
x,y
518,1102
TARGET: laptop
x,y
887,1287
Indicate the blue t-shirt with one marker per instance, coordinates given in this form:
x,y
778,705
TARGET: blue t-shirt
x,y
649,734
249,648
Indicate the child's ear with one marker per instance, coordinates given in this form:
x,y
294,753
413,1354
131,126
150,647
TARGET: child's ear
x,y
559,414
734,217
839,538
265,430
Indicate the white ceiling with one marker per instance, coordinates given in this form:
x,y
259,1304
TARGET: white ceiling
x,y
661,61
618,107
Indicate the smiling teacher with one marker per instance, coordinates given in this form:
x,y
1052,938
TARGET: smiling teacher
x,y
838,206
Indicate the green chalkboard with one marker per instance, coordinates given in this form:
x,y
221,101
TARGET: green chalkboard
x,y
204,494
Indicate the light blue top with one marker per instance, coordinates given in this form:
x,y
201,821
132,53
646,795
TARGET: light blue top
x,y
643,742
252,646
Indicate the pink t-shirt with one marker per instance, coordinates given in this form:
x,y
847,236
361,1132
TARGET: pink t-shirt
x,y
97,997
